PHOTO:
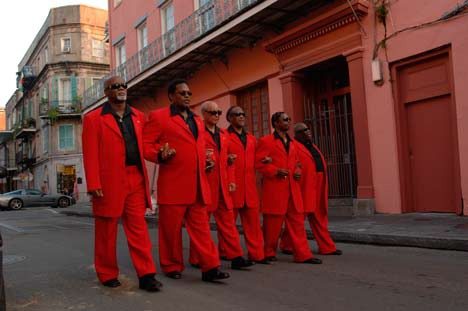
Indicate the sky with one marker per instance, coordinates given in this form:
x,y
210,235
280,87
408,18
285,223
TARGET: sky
x,y
20,21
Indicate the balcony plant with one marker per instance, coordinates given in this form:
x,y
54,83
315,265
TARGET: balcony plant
x,y
53,114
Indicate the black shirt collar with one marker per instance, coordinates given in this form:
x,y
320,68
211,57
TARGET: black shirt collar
x,y
175,110
216,131
231,129
277,136
107,109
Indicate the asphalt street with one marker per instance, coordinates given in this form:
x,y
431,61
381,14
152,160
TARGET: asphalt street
x,y
48,265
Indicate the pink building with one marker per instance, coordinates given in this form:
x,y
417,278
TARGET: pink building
x,y
381,87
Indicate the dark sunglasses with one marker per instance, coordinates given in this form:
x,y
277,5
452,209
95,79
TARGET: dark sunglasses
x,y
303,130
238,114
117,86
214,112
288,119
185,93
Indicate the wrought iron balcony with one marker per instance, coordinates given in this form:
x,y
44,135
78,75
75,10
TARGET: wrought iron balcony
x,y
25,159
60,109
26,129
203,21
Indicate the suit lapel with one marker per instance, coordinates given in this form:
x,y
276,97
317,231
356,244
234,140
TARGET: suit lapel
x,y
110,122
138,130
177,119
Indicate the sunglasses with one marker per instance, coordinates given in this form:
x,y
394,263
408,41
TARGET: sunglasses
x,y
238,114
288,119
185,93
117,86
303,130
214,112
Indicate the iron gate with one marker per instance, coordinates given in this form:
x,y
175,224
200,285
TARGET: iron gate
x,y
330,119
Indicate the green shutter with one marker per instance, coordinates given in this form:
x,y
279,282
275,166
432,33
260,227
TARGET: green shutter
x,y
54,92
74,87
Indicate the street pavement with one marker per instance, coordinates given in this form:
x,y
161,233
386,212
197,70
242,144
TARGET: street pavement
x,y
49,266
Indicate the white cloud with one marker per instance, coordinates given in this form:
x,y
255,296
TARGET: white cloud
x,y
20,21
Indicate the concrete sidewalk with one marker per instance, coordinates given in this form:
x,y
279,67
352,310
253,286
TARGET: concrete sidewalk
x,y
428,230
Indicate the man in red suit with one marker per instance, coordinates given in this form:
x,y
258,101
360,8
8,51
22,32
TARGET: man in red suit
x,y
245,197
174,137
281,193
118,183
221,181
314,186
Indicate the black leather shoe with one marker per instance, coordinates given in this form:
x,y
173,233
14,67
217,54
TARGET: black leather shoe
x,y
271,258
337,253
287,251
239,262
149,283
174,275
314,261
223,258
112,283
195,265
214,275
263,261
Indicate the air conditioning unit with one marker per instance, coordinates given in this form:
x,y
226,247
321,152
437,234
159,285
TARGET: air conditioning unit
x,y
66,49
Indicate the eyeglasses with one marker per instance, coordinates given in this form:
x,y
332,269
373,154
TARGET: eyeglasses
x,y
287,119
117,86
185,93
238,114
214,112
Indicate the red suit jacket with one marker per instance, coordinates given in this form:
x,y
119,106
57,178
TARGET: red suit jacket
x,y
276,191
104,160
182,177
222,173
308,180
246,193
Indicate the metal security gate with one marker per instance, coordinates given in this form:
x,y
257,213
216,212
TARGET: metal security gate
x,y
328,112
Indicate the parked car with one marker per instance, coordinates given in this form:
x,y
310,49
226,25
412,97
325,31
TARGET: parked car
x,y
32,197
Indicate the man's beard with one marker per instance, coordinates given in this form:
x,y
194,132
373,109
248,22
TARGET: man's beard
x,y
121,98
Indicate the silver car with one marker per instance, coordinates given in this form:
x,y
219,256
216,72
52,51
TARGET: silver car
x,y
31,197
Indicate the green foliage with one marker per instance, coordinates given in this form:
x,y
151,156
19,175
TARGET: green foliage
x,y
53,114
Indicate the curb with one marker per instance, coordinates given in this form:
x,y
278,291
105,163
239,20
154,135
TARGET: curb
x,y
347,237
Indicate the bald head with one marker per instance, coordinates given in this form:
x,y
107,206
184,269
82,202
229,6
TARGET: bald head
x,y
302,132
299,127
209,106
115,89
211,113
113,80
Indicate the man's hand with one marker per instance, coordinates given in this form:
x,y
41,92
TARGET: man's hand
x,y
232,187
96,193
282,173
231,158
166,153
266,160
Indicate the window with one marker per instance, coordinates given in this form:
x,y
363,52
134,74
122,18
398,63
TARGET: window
x,y
142,33
33,192
167,21
97,48
46,55
64,91
66,45
254,101
66,137
45,139
120,54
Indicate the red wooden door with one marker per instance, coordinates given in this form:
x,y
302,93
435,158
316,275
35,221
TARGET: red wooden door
x,y
429,139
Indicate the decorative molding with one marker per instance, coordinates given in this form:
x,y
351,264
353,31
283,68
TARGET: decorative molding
x,y
321,25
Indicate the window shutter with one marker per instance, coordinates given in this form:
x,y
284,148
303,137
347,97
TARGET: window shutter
x,y
74,87
54,92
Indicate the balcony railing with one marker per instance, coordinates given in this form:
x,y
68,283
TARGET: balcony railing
x,y
202,21
25,159
57,108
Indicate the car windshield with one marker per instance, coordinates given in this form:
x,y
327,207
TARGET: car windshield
x,y
16,192
33,192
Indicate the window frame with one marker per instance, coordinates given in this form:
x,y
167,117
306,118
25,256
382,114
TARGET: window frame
x,y
62,44
72,137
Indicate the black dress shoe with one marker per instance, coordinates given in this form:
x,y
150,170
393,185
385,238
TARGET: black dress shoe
x,y
263,261
271,258
195,265
149,283
223,258
287,251
314,261
174,275
239,262
337,253
214,275
112,283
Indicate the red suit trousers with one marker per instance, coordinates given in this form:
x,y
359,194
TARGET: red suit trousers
x,y
171,219
318,222
272,225
136,230
228,235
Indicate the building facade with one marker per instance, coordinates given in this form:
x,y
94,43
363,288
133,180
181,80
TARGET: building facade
x,y
67,56
380,86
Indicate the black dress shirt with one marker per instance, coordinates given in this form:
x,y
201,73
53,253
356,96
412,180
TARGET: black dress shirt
x,y
242,136
216,137
175,110
125,123
316,155
285,143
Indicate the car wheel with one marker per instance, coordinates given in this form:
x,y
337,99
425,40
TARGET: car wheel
x,y
15,204
63,202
